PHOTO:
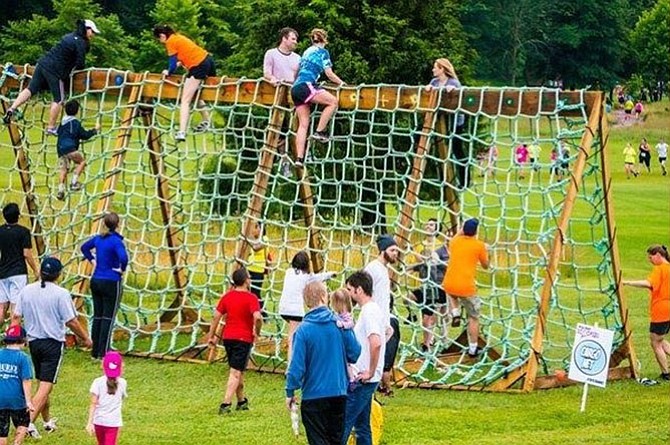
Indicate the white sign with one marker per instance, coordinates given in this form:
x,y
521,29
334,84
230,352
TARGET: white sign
x,y
590,358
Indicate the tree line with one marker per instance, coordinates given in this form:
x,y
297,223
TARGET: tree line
x,y
501,42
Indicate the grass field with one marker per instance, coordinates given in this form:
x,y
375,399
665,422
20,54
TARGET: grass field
x,y
173,403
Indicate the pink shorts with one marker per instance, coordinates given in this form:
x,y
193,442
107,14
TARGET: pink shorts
x,y
106,435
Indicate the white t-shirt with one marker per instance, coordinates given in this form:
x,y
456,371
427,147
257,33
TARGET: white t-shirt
x,y
108,411
381,288
291,301
282,66
662,149
370,321
45,310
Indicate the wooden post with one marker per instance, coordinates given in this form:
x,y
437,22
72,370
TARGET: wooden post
x,y
172,237
448,174
418,167
313,234
113,170
26,183
627,346
259,189
554,257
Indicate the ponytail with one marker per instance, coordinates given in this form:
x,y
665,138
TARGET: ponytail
x,y
112,385
111,221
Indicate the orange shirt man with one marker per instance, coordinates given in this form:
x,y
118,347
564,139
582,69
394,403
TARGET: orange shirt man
x,y
465,253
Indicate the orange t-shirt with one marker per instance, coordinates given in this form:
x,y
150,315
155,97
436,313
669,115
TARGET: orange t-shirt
x,y
659,308
465,252
187,52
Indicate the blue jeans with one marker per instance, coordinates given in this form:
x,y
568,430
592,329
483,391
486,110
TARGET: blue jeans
x,y
357,414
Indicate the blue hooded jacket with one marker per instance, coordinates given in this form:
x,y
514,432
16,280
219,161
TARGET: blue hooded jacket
x,y
321,352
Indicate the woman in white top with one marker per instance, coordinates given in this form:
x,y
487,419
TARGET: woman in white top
x,y
291,304
107,394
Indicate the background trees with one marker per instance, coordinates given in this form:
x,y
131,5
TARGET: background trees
x,y
512,42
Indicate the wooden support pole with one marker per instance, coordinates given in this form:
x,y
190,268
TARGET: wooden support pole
x,y
627,346
537,343
453,204
259,189
26,183
108,190
172,236
418,167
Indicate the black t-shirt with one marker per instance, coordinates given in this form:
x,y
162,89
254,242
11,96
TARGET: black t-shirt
x,y
13,239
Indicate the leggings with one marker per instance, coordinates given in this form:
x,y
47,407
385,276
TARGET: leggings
x,y
106,298
106,435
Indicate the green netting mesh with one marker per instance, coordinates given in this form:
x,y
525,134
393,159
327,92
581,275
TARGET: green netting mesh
x,y
358,182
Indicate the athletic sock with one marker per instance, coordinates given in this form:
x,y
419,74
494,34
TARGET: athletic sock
x,y
472,348
75,178
61,187
455,313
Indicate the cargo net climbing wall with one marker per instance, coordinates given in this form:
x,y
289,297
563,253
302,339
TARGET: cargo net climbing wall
x,y
397,157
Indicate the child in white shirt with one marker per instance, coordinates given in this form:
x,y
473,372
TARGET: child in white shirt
x,y
107,394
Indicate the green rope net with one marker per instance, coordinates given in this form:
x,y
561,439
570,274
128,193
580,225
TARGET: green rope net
x,y
357,183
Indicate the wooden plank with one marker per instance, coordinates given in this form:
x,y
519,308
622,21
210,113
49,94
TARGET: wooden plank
x,y
108,190
26,183
537,342
174,242
227,90
453,204
626,349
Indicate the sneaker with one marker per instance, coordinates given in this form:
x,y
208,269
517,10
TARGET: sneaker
x,y
51,132
478,351
320,136
32,431
60,196
50,426
8,116
455,321
424,348
180,136
242,405
286,169
224,408
665,376
202,127
76,186
300,162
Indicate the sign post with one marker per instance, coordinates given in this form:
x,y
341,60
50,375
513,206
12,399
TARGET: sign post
x,y
589,362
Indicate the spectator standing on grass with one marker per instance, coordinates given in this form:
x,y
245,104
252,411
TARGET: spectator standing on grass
x,y
658,283
318,369
243,320
47,310
15,252
107,394
16,375
109,263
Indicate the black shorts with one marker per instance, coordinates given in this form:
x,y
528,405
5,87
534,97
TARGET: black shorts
x,y
47,356
238,353
392,345
628,111
206,69
291,318
43,80
661,328
428,305
662,159
19,417
303,93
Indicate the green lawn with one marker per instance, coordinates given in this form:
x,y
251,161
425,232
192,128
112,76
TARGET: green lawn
x,y
174,403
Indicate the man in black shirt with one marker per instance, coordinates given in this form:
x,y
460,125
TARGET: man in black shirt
x,y
15,252
54,68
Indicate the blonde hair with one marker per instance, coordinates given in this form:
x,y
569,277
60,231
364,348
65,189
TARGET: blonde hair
x,y
315,294
318,35
340,301
448,68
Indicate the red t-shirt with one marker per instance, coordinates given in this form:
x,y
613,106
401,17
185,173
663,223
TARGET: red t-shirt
x,y
239,307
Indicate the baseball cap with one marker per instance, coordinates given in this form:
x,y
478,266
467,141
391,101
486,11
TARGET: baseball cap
x,y
51,266
470,227
15,334
112,363
91,24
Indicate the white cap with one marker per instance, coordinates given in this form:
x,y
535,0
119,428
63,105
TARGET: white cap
x,y
91,24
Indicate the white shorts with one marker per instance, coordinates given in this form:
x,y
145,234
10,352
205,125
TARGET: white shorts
x,y
10,288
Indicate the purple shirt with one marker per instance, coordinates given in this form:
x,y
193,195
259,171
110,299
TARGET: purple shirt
x,y
281,66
